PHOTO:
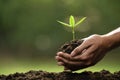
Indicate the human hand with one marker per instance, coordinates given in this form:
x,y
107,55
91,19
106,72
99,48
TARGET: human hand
x,y
91,51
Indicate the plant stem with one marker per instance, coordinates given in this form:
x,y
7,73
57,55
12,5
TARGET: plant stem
x,y
73,33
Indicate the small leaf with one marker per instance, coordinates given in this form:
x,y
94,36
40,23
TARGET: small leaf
x,y
81,20
72,21
65,24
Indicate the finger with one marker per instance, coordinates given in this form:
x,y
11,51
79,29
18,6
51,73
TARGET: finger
x,y
83,39
84,50
71,64
80,48
61,59
68,57
60,63
76,66
58,58
88,53
59,53
64,55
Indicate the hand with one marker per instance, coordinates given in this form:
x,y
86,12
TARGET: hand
x,y
92,50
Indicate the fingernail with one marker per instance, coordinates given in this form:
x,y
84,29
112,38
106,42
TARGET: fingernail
x,y
56,58
58,53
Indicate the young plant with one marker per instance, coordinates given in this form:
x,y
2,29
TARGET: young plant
x,y
72,24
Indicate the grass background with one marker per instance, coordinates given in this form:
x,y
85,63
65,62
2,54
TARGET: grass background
x,y
12,65
30,35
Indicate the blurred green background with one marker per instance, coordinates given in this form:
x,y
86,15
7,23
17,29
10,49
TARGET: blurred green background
x,y
30,35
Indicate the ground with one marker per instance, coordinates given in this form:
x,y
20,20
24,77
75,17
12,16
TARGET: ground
x,y
43,75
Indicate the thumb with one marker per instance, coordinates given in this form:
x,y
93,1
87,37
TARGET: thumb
x,y
80,49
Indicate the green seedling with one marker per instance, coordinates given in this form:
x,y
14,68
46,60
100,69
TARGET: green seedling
x,y
72,24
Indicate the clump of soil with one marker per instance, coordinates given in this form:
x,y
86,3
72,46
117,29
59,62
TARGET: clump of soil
x,y
68,47
42,75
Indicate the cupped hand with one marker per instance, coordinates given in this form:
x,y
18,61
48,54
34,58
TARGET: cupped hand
x,y
91,51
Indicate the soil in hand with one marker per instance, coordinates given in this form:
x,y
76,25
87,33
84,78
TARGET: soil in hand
x,y
68,47
42,75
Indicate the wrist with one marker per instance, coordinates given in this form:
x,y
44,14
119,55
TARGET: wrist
x,y
110,41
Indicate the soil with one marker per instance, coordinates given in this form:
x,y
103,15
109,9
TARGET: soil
x,y
42,75
68,47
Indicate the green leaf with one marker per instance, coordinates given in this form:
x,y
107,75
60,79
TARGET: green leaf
x,y
72,21
65,24
80,21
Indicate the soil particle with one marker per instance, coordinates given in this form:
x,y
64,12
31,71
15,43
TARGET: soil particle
x,y
68,47
43,75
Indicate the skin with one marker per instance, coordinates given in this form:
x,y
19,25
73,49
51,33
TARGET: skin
x,y
91,51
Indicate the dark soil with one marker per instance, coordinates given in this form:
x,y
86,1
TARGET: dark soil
x,y
42,75
68,47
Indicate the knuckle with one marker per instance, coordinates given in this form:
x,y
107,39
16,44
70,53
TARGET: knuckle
x,y
95,35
